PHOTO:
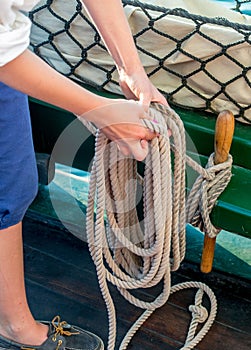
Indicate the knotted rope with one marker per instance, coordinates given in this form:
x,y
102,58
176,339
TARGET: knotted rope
x,y
205,191
133,252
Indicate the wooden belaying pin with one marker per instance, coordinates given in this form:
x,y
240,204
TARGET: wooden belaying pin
x,y
224,130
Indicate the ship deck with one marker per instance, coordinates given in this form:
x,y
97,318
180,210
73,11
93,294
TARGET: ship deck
x,y
61,280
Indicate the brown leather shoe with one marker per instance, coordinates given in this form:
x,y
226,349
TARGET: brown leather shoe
x,y
61,336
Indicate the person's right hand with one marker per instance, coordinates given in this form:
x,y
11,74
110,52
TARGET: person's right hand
x,y
121,122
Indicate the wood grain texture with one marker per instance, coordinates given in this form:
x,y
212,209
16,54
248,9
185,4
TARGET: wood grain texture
x,y
61,279
224,131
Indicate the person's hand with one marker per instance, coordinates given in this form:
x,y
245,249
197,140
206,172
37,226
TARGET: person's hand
x,y
137,86
121,122
131,139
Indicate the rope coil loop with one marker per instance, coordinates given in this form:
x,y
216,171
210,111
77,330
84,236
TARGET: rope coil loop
x,y
206,189
132,252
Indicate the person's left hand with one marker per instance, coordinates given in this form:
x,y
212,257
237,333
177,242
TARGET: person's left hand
x,y
137,86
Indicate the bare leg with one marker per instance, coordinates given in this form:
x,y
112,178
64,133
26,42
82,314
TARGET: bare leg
x,y
16,320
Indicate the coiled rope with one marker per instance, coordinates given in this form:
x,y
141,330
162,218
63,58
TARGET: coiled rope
x,y
132,252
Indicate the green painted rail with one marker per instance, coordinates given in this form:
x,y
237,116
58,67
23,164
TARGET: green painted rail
x,y
233,208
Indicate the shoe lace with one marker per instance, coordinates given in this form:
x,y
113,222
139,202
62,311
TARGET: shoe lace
x,y
60,328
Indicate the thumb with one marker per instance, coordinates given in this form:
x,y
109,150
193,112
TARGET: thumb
x,y
141,151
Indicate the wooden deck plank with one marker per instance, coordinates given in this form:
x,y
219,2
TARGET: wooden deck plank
x,y
83,315
56,266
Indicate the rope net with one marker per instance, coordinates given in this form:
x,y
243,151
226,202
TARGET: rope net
x,y
196,61
239,4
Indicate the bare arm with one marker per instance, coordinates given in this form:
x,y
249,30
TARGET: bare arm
x,y
114,29
29,74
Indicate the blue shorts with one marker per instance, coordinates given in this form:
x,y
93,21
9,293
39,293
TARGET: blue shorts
x,y
18,169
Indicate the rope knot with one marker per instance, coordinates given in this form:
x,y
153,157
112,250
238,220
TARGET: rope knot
x,y
205,191
212,170
199,313
210,173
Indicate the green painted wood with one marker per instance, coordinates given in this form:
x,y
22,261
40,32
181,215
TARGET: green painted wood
x,y
233,208
48,123
200,128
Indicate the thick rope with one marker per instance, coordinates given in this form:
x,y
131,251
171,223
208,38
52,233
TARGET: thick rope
x,y
133,252
204,193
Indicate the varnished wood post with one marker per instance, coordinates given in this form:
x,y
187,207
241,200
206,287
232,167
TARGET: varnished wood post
x,y
224,130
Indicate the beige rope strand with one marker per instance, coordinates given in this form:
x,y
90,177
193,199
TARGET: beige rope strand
x,y
131,254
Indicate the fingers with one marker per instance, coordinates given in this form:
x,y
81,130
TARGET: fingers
x,y
152,96
149,135
127,92
137,149
121,121
161,99
125,150
141,150
145,96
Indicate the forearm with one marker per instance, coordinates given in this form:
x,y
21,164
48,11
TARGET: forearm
x,y
29,74
111,22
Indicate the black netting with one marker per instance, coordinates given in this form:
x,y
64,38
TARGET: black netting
x,y
239,5
78,54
